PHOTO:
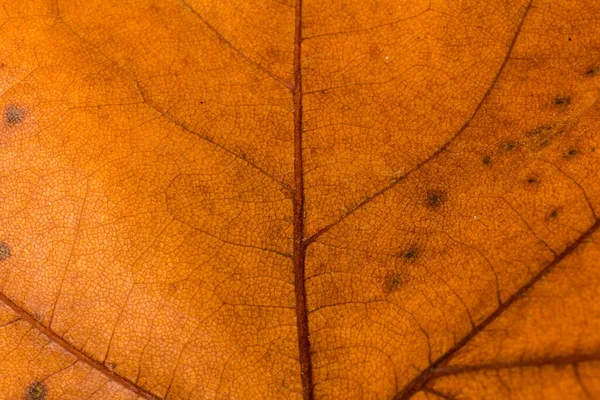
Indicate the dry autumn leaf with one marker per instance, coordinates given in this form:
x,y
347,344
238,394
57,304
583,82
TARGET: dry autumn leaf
x,y
339,199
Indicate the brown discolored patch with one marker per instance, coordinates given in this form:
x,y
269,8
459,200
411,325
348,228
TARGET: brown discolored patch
x,y
410,254
540,130
591,72
531,181
509,146
4,251
553,214
36,391
392,282
540,136
562,101
14,114
486,160
570,153
435,198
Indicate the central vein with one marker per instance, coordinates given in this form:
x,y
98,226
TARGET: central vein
x,y
299,247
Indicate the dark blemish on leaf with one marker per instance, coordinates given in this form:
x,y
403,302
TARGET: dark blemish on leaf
x,y
569,39
541,129
4,251
435,198
36,391
591,72
571,153
553,214
540,136
486,160
531,180
509,146
409,255
562,101
393,281
593,149
14,114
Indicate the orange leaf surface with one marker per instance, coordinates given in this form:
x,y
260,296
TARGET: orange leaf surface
x,y
340,199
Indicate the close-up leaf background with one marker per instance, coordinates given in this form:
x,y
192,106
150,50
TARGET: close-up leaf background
x,y
299,199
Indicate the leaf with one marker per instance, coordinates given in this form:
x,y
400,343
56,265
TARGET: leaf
x,y
342,199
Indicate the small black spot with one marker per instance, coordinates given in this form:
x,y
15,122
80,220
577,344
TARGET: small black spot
x,y
562,101
410,254
593,149
4,251
509,146
569,39
570,153
486,160
591,72
435,198
553,214
14,114
36,391
531,180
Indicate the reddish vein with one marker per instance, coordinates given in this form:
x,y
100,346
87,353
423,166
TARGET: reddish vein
x,y
235,49
80,355
419,382
299,247
441,149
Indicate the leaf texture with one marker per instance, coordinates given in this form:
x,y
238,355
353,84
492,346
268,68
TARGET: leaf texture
x,y
299,199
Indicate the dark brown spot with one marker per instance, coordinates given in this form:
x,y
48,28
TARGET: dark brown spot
x,y
569,38
410,254
435,198
531,180
562,101
486,160
540,136
36,391
591,72
4,251
14,114
509,146
570,153
541,129
554,214
392,282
